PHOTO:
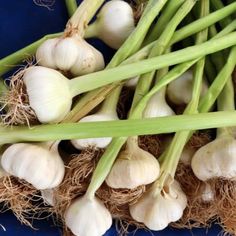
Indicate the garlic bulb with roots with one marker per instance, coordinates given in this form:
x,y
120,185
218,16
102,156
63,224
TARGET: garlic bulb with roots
x,y
48,92
159,207
114,23
216,159
87,216
106,113
180,90
39,164
207,193
157,106
70,54
133,167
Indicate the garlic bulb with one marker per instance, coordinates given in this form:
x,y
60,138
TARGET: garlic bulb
x,y
156,209
114,23
39,164
216,159
187,155
48,196
180,90
94,142
131,83
157,106
133,167
71,54
88,217
48,92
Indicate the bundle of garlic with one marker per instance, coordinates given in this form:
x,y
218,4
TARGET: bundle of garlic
x,y
146,189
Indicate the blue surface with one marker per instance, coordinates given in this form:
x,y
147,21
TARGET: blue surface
x,y
22,22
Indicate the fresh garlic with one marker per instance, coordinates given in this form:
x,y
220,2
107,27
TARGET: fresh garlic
x,y
48,196
131,83
94,142
156,209
216,159
133,167
187,155
106,113
180,90
71,54
39,164
114,23
48,92
157,106
88,217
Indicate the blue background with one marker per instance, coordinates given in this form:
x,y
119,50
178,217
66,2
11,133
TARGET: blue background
x,y
23,22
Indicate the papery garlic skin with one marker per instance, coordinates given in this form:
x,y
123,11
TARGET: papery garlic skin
x,y
157,210
187,155
207,193
157,107
48,196
180,90
35,163
70,54
88,217
115,22
133,167
94,142
48,92
216,159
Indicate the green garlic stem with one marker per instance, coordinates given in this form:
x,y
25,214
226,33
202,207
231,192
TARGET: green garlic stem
x,y
168,12
118,128
91,31
82,16
95,80
136,38
8,63
110,103
71,6
3,87
171,156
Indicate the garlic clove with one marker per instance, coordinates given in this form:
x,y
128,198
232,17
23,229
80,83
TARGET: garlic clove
x,y
48,196
65,53
35,163
180,90
44,54
216,159
157,210
94,142
88,217
48,92
157,107
133,168
88,60
115,22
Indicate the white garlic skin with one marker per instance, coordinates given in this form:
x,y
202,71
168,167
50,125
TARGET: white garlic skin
x,y
94,142
71,54
133,168
156,211
157,107
48,196
207,193
216,159
180,90
36,164
48,92
187,155
115,23
131,83
88,217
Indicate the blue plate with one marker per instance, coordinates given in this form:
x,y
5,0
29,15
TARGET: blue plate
x,y
23,22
